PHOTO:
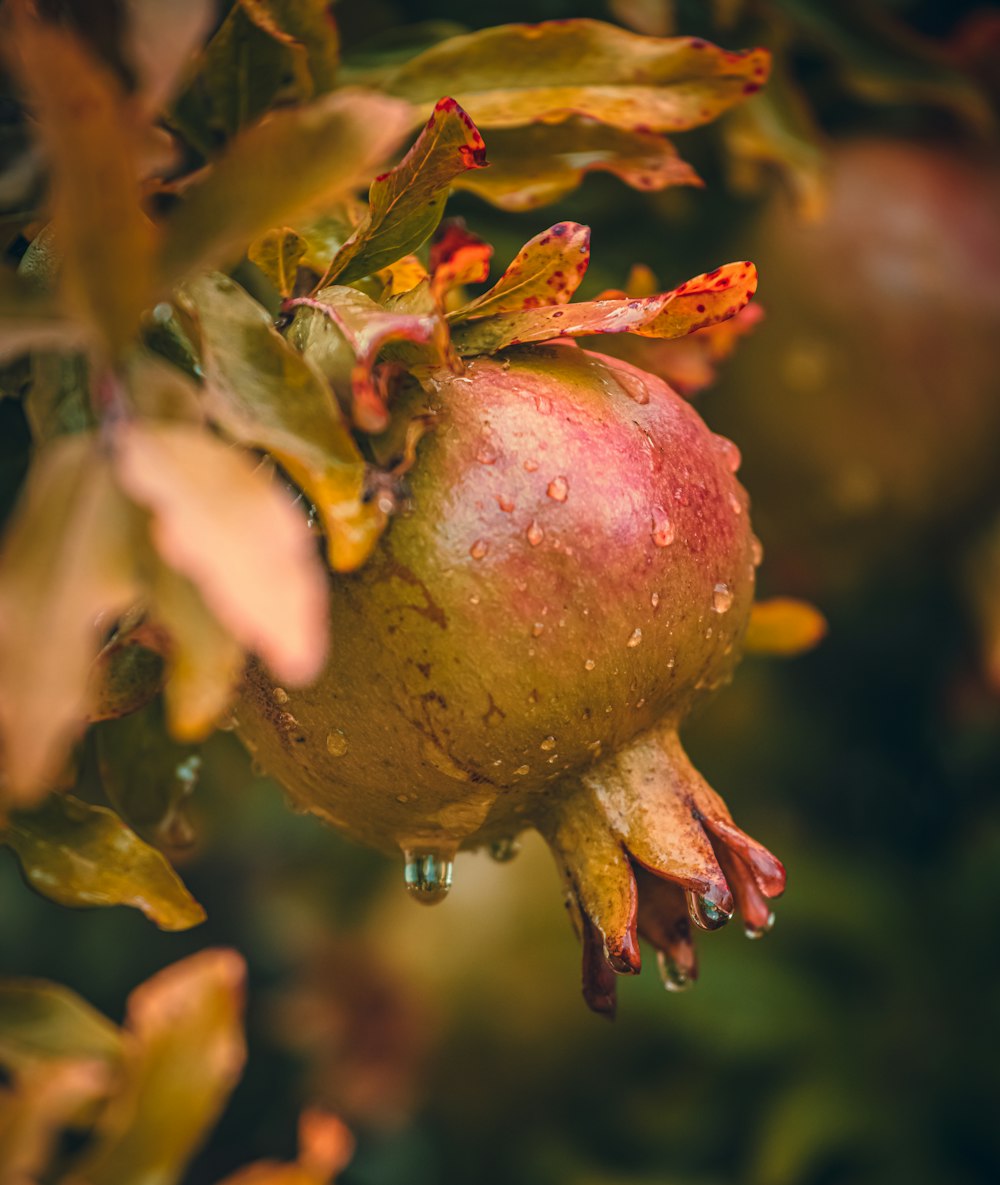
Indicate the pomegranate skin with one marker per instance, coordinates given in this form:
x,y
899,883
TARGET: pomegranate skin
x,y
575,569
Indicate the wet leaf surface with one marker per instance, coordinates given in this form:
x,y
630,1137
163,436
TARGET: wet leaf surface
x,y
228,528
516,74
693,305
405,204
82,855
264,394
66,572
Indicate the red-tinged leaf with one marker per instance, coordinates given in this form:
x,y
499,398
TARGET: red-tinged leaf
x,y
689,364
546,271
405,205
457,257
66,573
341,316
784,626
223,524
266,395
41,1021
278,254
106,242
161,41
291,164
185,1053
325,1147
517,74
82,855
205,662
540,163
693,305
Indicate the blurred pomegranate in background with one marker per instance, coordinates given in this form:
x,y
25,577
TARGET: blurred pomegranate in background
x,y
867,404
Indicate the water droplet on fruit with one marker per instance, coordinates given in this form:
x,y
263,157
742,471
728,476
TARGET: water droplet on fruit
x,y
535,534
634,638
663,528
162,313
673,977
522,770
537,628
503,850
548,744
427,876
756,551
705,913
280,695
558,489
654,600
722,598
530,465
402,798
735,505
589,664
730,453
486,456
505,504
543,403
754,932
336,743
479,549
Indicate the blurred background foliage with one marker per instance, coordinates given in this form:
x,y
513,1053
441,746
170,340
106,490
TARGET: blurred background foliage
x,y
858,1044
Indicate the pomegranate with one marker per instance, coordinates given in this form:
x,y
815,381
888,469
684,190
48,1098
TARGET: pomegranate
x,y
575,570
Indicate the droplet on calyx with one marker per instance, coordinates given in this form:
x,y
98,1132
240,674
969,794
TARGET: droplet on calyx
x,y
755,932
705,913
427,875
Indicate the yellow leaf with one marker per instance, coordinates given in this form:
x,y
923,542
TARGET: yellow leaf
x,y
784,626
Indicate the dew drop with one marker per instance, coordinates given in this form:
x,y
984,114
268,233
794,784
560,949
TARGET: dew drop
x,y
735,505
530,465
402,798
486,456
558,489
671,663
589,664
505,504
722,598
548,744
634,638
705,913
336,743
280,695
427,876
544,404
537,628
535,534
673,977
663,528
522,770
730,453
654,600
754,932
756,551
479,549
504,850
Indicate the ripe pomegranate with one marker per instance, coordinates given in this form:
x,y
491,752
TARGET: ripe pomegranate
x,y
866,402
575,571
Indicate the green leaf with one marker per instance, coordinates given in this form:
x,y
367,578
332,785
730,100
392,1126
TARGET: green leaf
x,y
58,399
31,320
278,255
66,572
288,165
546,271
701,301
265,395
41,1020
222,523
515,74
82,855
147,776
341,316
784,626
105,240
405,205
538,164
185,1055
307,30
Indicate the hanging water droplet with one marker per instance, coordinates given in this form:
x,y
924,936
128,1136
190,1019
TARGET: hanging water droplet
x,y
503,850
634,638
280,695
479,549
754,932
705,913
548,744
730,452
336,743
535,534
663,528
756,551
673,976
162,313
722,598
537,628
558,489
427,876
589,664
521,770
